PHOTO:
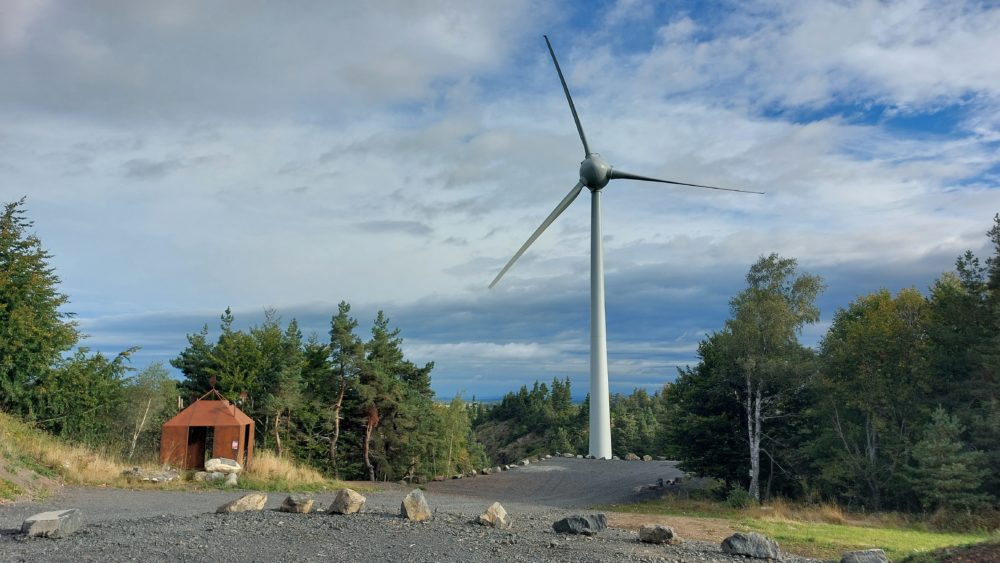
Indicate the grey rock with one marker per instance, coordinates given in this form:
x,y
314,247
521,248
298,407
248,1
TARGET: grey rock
x,y
751,545
568,455
497,469
495,516
222,465
865,556
650,533
246,503
414,507
298,504
588,524
347,501
53,524
525,462
232,480
579,456
647,457
631,457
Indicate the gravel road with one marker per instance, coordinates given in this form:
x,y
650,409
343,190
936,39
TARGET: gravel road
x,y
122,525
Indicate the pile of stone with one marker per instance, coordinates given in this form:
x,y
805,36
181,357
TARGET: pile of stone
x,y
138,474
220,469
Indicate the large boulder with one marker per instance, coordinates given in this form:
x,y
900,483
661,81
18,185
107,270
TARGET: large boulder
x,y
495,516
751,545
587,525
655,533
246,503
232,480
347,501
414,507
298,504
222,465
865,556
53,524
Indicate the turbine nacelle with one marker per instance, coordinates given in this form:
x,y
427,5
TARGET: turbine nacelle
x,y
595,172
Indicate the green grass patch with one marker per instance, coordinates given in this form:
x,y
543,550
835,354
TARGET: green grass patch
x,y
801,530
32,464
832,540
9,491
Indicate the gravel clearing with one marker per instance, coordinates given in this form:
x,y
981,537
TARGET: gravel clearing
x,y
122,525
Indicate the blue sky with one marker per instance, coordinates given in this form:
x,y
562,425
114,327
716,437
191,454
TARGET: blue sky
x,y
181,157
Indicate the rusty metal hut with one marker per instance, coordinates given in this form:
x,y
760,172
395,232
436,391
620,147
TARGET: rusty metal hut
x,y
208,423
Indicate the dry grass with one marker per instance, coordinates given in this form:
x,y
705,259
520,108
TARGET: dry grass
x,y
28,452
22,444
270,472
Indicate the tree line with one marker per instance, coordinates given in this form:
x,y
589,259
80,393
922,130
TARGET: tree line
x,y
898,408
352,408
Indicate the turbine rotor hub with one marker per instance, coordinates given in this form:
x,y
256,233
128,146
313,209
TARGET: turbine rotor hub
x,y
595,172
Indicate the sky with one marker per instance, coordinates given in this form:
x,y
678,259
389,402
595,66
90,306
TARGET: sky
x,y
182,157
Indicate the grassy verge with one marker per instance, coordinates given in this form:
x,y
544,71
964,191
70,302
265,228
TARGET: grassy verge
x,y
816,531
29,455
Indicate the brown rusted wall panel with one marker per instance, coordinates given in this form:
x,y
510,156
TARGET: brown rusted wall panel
x,y
173,446
224,437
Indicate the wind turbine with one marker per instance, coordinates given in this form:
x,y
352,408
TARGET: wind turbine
x,y
595,173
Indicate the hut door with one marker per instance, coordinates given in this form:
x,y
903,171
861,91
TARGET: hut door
x,y
196,447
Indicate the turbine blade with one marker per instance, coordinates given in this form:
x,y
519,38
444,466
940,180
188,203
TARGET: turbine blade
x,y
622,175
566,201
572,108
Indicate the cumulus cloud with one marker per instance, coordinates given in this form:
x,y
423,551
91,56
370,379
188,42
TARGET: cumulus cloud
x,y
396,157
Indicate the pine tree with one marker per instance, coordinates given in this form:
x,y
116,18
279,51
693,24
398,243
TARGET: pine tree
x,y
947,474
34,332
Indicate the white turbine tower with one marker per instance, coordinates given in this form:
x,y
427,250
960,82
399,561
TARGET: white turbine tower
x,y
595,173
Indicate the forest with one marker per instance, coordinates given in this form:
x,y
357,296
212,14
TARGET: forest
x,y
897,408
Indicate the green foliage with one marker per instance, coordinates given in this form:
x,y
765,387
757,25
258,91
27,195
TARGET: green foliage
x,y
739,497
873,380
748,391
83,398
34,332
946,474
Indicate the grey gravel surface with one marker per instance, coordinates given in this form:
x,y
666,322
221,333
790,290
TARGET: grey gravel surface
x,y
122,525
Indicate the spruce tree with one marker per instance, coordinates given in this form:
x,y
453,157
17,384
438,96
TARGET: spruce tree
x,y
34,332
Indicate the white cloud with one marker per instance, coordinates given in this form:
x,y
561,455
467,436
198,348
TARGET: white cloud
x,y
397,157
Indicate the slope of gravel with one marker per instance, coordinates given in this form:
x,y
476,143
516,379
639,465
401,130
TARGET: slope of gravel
x,y
175,526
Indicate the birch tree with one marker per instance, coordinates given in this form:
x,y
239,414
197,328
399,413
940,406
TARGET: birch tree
x,y
767,318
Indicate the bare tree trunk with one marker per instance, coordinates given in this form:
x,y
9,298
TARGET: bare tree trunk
x,y
372,422
753,407
138,430
336,424
277,432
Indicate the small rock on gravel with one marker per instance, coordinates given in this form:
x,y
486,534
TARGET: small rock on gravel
x,y
495,516
414,507
347,501
587,525
253,501
655,533
298,504
751,545
52,524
